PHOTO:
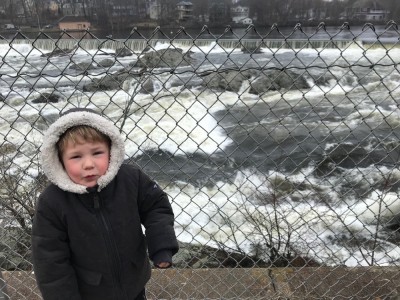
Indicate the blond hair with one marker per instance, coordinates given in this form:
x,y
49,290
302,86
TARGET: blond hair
x,y
79,133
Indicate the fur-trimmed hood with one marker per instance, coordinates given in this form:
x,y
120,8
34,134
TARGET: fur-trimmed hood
x,y
51,164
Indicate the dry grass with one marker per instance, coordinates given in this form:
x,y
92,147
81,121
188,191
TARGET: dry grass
x,y
21,285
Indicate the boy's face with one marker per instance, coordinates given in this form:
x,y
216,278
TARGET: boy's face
x,y
85,161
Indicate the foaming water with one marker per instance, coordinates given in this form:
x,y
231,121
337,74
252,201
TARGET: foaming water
x,y
327,153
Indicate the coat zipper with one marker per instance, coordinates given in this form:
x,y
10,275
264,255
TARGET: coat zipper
x,y
111,246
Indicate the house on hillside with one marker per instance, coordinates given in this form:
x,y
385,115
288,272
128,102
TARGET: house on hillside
x,y
73,23
154,10
367,10
185,11
161,10
73,9
240,14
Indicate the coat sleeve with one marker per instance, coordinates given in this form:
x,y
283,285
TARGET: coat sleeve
x,y
157,217
54,274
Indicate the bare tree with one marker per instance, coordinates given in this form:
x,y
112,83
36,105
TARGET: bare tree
x,y
10,8
104,12
18,195
393,6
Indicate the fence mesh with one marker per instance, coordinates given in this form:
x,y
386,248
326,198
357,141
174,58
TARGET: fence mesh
x,y
278,147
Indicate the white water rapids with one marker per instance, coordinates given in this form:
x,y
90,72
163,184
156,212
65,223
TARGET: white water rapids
x,y
356,105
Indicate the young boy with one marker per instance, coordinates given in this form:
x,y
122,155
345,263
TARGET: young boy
x,y
87,238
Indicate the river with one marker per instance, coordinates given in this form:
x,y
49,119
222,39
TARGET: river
x,y
325,153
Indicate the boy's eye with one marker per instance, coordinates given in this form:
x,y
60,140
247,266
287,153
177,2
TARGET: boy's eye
x,y
75,157
98,152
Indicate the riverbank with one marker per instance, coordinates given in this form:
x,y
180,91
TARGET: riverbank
x,y
334,33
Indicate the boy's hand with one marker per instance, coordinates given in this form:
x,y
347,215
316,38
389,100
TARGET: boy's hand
x,y
163,265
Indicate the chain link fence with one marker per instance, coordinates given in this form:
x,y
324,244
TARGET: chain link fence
x,y
278,147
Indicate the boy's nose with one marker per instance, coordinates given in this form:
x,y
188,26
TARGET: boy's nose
x,y
88,163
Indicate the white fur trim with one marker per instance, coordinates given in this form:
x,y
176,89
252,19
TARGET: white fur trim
x,y
51,164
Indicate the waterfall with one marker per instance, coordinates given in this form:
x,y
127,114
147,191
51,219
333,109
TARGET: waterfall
x,y
138,45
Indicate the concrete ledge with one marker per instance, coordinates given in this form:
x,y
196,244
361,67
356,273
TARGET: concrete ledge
x,y
339,283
